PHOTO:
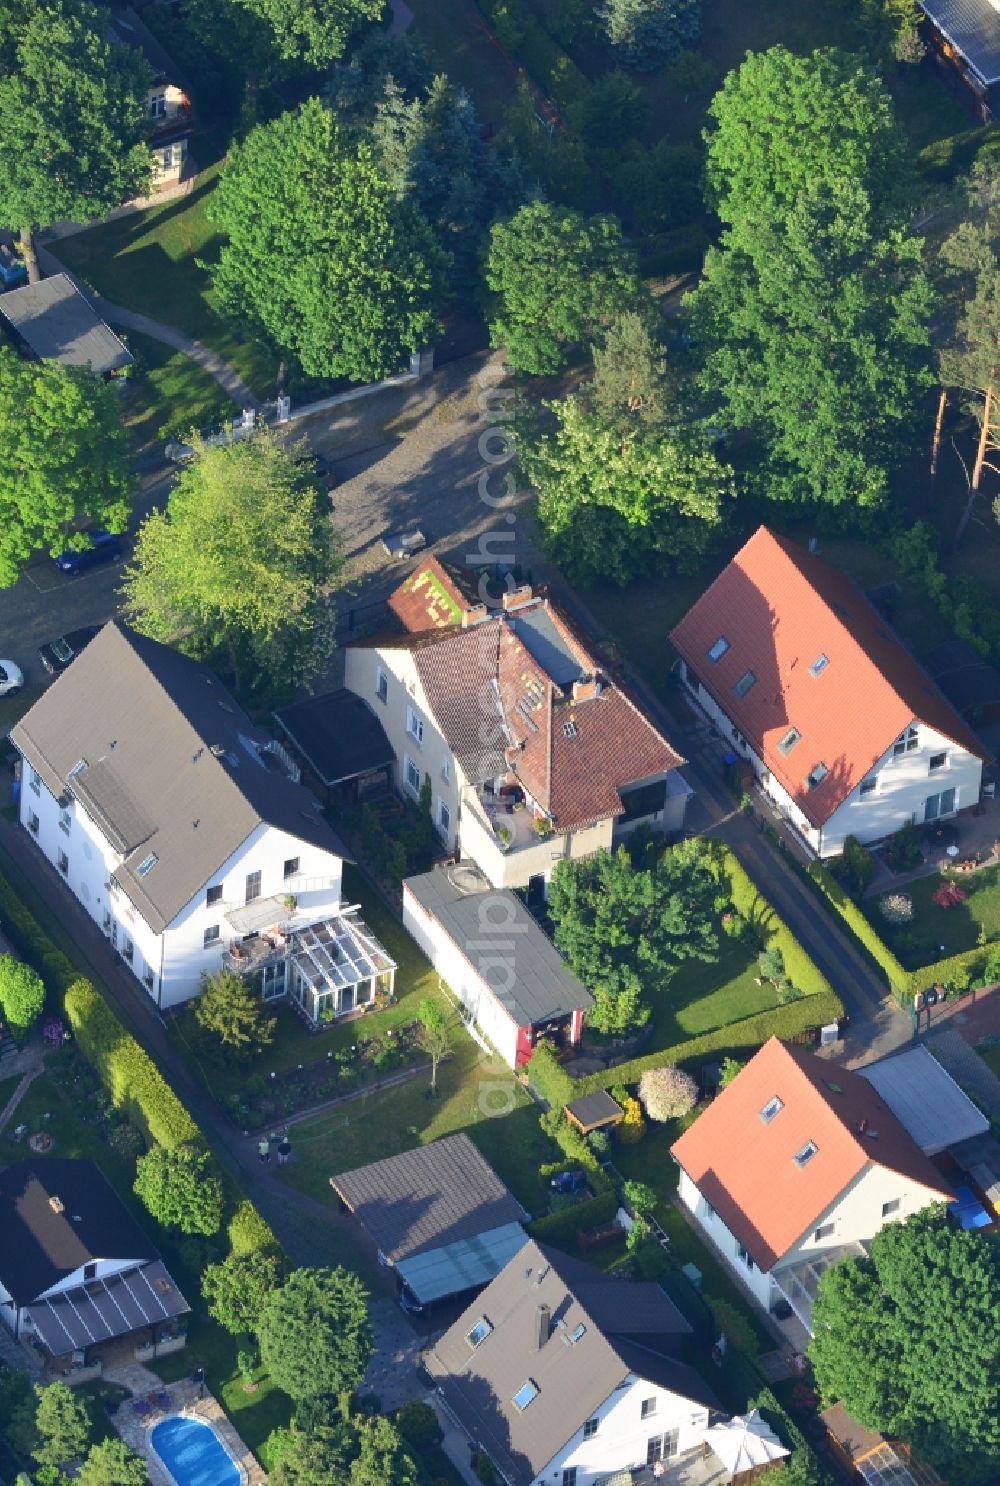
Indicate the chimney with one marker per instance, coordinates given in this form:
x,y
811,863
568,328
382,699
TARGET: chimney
x,y
584,691
56,1204
475,614
522,595
542,1328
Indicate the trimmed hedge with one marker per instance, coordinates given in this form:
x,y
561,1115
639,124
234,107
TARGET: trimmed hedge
x,y
751,903
961,969
562,1228
548,1077
520,32
33,944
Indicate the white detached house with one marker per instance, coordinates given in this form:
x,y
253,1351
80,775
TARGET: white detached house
x,y
184,832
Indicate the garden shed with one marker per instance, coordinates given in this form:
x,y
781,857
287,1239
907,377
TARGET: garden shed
x,y
594,1112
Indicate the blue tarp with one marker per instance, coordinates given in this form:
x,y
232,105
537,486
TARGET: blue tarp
x,y
968,1210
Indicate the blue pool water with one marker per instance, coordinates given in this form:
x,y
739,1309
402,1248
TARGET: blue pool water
x,y
193,1453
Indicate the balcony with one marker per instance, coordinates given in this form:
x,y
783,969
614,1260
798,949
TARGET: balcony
x,y
511,863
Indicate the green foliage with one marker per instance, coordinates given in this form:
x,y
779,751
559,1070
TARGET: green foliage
x,y
248,1231
22,993
904,850
858,864
62,1424
738,1331
382,1459
73,115
730,1068
641,1198
923,1294
433,1034
418,1424
963,604
315,1335
235,1290
557,279
623,930
230,1015
893,30
112,1463
666,1093
633,1127
614,109
314,31
312,1456
562,1228
240,563
17,1413
63,455
363,288
180,1189
648,31
860,926
520,32
775,933
547,1075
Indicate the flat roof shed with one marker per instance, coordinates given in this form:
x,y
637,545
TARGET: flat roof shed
x,y
925,1099
54,322
594,1112
338,736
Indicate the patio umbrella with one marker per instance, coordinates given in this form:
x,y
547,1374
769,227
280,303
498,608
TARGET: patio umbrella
x,y
744,1444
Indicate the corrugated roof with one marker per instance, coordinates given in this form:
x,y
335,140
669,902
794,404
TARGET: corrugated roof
x,y
746,1167
463,1265
813,646
498,937
58,324
925,1099
973,28
174,768
428,1198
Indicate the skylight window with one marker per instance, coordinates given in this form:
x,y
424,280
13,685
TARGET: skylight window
x,y
578,1332
744,684
789,741
819,664
771,1108
569,728
479,1333
146,866
77,768
816,775
833,1087
805,1155
526,1394
719,649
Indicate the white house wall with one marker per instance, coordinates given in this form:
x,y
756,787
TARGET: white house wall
x,y
462,971
857,1214
102,1270
623,1435
724,1241
516,867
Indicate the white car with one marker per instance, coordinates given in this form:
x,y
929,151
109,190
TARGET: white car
x,y
11,679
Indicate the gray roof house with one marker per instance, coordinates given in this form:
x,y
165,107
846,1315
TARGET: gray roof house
x,y
439,1215
555,1368
76,1270
183,829
51,320
967,33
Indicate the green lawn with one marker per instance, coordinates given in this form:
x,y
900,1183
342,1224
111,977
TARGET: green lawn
x,y
147,262
169,394
933,932
475,1094
7,1087
703,996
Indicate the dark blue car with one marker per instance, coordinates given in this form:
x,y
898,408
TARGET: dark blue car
x,y
105,548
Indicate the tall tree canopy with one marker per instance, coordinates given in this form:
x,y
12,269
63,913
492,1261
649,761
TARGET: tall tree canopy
x,y
73,116
315,1335
557,280
647,31
625,930
22,993
322,256
62,1423
909,1338
63,456
240,563
180,1189
112,1463
235,1290
315,31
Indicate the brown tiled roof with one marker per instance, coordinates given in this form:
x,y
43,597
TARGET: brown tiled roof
x,y
429,598
746,1168
781,610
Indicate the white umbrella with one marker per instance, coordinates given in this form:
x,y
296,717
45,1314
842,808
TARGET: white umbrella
x,y
745,1442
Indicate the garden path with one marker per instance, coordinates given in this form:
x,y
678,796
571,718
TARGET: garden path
x,y
10,1108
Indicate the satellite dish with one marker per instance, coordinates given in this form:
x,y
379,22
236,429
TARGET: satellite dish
x,y
466,878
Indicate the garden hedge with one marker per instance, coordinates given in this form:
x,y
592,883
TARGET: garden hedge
x,y
520,33
751,903
561,1228
548,1077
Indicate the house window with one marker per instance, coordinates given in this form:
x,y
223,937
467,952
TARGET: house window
x,y
414,725
905,743
744,684
211,935
253,887
167,159
34,782
869,786
63,860
708,1211
569,1476
590,1428
290,868
744,1255
825,1230
888,1208
479,1333
805,1155
819,665
671,1440
789,741
158,105
816,775
771,1108
65,822
90,1271
213,895
147,864
648,1408
578,1333
411,774
446,771
654,1449
33,823
128,948
444,817
938,805
937,761
719,649
381,685
526,1394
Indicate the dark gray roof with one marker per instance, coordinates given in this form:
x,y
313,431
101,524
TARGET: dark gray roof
x,y
57,324
105,1308
966,679
174,768
39,1245
549,647
125,28
573,1377
543,986
593,1109
973,28
428,1197
337,734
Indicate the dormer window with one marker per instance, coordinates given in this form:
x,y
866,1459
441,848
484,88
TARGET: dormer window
x,y
819,665
816,775
789,741
744,684
718,650
147,864
771,1108
569,728
805,1155
479,1333
906,742
526,1394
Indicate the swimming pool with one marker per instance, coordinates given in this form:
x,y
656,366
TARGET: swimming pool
x,y
193,1453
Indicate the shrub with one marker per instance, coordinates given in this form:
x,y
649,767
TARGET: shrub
x,y
774,932
633,1126
858,865
730,1068
667,1092
948,895
904,852
548,1078
896,977
561,1228
418,1424
600,1143
896,908
22,993
991,970
739,1332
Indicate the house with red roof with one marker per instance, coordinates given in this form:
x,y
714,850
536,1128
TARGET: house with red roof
x,y
844,730
797,1164
532,750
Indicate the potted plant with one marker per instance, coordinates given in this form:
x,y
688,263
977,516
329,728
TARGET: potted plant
x,y
504,837
543,826
291,902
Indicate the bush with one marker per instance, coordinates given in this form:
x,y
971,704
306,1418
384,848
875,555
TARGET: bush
x,y
418,1424
633,1126
748,901
22,994
561,1228
681,250
729,1070
858,865
548,1077
903,852
667,1092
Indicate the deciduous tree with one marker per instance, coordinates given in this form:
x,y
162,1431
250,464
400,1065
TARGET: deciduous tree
x,y
180,1189
22,993
63,1425
433,1034
315,31
666,1093
231,1015
315,1335
63,456
647,31
365,282
73,117
236,1289
112,1463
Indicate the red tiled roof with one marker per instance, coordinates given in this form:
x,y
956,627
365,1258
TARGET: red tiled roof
x,y
782,610
746,1168
429,598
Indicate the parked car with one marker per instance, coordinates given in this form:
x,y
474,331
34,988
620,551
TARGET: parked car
x,y
104,548
409,1302
57,654
11,679
12,270
404,543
